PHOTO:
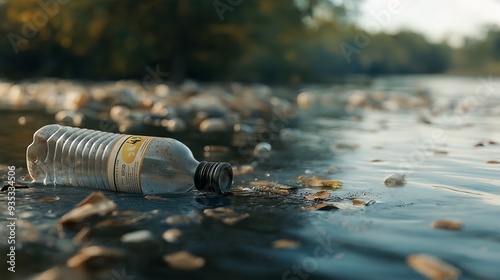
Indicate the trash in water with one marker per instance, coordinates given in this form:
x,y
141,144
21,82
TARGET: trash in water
x,y
123,162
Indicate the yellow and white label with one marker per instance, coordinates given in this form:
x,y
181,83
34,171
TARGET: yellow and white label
x,y
125,161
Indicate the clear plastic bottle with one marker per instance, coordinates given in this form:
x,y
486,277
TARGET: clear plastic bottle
x,y
62,155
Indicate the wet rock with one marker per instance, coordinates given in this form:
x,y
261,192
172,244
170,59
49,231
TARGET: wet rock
x,y
395,180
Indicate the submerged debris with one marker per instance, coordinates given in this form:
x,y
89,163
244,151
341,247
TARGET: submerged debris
x,y
432,267
94,204
285,244
448,224
95,258
184,261
226,215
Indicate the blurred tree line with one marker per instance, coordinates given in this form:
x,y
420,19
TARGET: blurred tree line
x,y
282,41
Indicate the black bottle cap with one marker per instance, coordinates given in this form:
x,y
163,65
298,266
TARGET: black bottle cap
x,y
215,177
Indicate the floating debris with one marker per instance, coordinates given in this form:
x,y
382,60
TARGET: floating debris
x,y
61,273
226,215
94,204
395,180
493,162
183,219
318,196
432,267
448,224
358,201
171,235
184,261
48,199
320,206
285,244
377,160
317,182
95,258
440,152
155,197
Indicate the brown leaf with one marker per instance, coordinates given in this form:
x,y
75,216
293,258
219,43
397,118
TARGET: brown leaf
x,y
260,183
155,197
432,267
95,258
48,199
320,206
318,196
94,204
184,261
493,162
317,182
81,236
285,244
226,215
61,273
448,224
357,201
376,160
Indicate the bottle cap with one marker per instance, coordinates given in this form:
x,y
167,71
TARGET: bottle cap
x,y
215,177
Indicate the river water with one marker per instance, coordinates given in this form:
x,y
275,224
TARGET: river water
x,y
446,150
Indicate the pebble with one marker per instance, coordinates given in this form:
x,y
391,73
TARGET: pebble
x,y
395,180
140,236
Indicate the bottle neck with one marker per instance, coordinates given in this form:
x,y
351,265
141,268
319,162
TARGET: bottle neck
x,y
214,177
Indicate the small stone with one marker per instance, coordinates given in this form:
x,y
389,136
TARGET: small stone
x,y
184,261
140,236
171,235
395,180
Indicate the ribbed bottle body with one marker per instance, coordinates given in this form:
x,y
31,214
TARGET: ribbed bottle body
x,y
70,156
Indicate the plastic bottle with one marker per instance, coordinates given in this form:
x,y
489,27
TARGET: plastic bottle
x,y
62,155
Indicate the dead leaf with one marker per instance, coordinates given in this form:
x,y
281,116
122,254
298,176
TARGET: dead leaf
x,y
61,273
480,144
318,196
440,152
357,201
320,206
226,215
233,220
81,236
94,204
183,219
447,224
376,160
155,197
260,183
317,182
122,218
432,267
184,261
493,162
48,199
95,258
285,244
492,142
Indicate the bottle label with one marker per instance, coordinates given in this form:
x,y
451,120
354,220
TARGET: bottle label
x,y
125,161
